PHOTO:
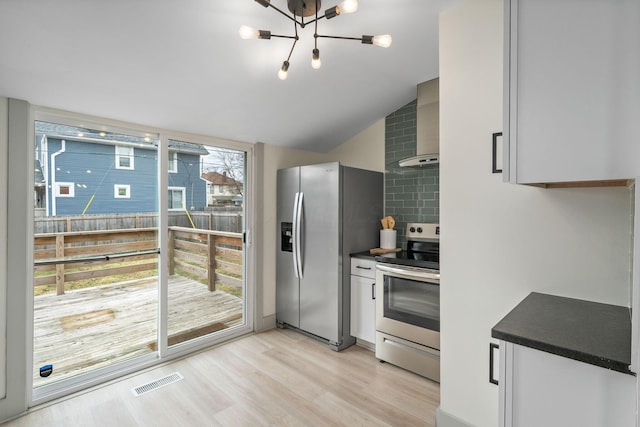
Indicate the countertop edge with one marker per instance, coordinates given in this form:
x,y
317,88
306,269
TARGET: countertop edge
x,y
363,255
614,365
556,325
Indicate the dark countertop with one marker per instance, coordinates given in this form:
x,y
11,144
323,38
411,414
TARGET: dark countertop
x,y
590,332
363,254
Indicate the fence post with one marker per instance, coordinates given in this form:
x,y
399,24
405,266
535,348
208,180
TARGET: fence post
x,y
211,251
170,252
59,267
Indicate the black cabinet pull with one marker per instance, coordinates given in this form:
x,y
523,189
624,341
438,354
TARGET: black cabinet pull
x,y
492,351
363,268
373,291
494,159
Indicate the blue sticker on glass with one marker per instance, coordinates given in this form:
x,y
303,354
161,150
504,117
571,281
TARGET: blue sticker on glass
x,y
46,370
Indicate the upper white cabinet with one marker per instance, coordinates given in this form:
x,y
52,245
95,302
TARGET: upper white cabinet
x,y
572,90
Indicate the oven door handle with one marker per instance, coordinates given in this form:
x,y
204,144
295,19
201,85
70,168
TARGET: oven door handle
x,y
410,273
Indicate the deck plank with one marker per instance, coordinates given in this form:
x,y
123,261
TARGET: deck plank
x,y
91,328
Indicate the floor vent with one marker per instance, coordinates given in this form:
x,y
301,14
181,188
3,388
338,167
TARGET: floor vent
x,y
156,384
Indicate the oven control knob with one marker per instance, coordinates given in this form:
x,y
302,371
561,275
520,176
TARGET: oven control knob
x,y
419,229
412,229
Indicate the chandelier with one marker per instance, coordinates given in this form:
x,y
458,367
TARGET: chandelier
x,y
300,9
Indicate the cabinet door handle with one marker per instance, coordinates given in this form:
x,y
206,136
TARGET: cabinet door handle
x,y
493,349
494,157
373,291
363,268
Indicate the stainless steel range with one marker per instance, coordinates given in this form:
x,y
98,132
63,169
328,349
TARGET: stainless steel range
x,y
408,303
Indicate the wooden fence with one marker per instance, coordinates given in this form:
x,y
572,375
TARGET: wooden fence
x,y
207,255
208,220
210,256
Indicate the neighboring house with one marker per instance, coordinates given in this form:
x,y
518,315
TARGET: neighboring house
x,y
222,189
80,171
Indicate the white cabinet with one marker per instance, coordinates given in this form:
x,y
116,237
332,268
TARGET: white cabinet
x,y
542,389
572,92
363,303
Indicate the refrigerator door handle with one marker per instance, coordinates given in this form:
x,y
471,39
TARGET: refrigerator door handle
x,y
298,252
294,236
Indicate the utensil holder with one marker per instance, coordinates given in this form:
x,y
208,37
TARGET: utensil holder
x,y
388,239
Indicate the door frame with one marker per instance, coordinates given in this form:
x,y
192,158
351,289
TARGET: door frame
x,y
19,265
20,394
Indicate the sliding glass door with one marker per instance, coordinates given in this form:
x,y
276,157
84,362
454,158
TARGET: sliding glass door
x,y
206,286
138,250
95,249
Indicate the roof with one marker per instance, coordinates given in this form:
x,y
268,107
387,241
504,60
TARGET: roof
x,y
220,178
112,138
187,147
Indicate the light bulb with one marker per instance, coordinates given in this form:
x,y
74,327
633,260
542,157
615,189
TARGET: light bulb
x,y
348,6
247,32
383,40
282,74
315,60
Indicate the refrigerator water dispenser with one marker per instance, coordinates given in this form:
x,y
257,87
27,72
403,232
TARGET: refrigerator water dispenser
x,y
286,236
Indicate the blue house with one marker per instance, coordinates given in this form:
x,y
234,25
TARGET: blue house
x,y
84,171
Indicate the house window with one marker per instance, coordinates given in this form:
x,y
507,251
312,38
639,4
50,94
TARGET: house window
x,y
121,191
173,162
176,198
65,189
124,157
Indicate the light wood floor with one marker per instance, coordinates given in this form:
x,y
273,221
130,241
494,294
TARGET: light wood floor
x,y
275,378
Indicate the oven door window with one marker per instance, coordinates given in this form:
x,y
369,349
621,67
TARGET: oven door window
x,y
412,301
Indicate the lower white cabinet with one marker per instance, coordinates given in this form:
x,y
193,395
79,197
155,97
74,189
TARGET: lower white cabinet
x,y
363,303
542,389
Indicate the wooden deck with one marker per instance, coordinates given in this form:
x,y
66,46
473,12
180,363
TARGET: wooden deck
x,y
91,328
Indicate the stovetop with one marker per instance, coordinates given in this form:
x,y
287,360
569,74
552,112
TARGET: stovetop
x,y
423,248
402,258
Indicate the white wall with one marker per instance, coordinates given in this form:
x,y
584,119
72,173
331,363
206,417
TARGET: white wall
x,y
365,150
501,241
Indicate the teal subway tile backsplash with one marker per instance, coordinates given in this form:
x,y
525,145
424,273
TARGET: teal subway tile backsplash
x,y
412,194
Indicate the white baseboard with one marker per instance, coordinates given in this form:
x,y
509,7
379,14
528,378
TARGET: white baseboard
x,y
265,323
366,344
444,419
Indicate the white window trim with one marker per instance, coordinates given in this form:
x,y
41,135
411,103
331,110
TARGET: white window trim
x,y
118,187
173,162
184,196
72,189
129,154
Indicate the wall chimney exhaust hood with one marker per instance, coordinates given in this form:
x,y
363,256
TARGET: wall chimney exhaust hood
x,y
427,126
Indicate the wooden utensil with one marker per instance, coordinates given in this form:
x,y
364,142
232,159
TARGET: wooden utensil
x,y
380,251
388,223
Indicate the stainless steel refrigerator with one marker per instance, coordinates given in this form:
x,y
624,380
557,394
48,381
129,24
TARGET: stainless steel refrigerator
x,y
325,212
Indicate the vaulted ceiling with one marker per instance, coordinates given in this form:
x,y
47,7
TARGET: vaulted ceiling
x,y
181,65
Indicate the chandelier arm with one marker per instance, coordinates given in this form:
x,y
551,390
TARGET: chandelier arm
x,y
315,31
339,37
284,37
295,39
316,19
286,15
292,47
